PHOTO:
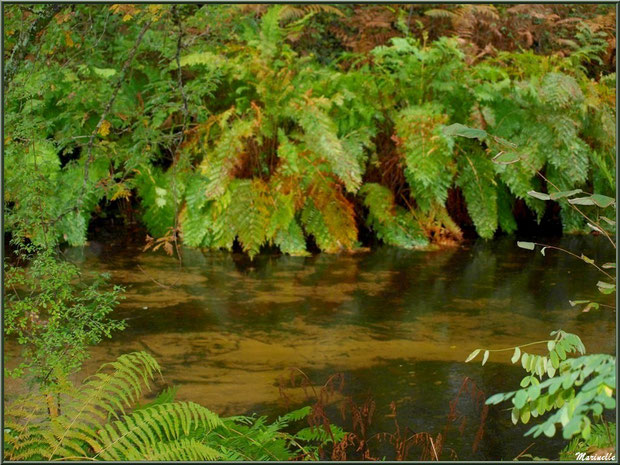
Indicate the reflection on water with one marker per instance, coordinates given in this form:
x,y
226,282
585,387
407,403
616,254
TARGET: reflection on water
x,y
398,323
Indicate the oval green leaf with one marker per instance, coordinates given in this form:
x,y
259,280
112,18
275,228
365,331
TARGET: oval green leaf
x,y
472,355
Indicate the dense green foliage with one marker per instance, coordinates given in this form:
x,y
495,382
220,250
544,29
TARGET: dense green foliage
x,y
100,420
237,135
55,314
577,390
229,126
573,400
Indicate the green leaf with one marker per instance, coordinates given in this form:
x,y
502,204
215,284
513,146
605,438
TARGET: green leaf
x,y
506,158
526,245
587,259
458,129
472,355
608,265
525,360
606,288
525,416
496,399
586,431
560,195
602,200
555,361
104,72
485,357
591,305
520,399
549,430
516,356
581,201
539,195
572,427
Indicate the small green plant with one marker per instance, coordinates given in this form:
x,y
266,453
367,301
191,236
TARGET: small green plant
x,y
577,390
602,441
55,313
96,421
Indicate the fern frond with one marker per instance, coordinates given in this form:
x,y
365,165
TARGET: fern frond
x,y
154,430
476,179
291,240
183,449
157,200
99,397
249,212
330,218
291,12
392,224
427,153
320,137
219,161
560,91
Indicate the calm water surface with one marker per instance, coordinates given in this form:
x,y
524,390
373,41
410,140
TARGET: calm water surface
x,y
398,324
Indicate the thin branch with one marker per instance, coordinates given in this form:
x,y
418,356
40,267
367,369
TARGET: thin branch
x,y
577,257
579,211
165,286
177,58
21,48
108,107
523,451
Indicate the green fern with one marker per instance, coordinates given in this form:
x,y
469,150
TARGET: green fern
x,y
427,153
476,179
320,136
93,422
248,215
218,163
392,224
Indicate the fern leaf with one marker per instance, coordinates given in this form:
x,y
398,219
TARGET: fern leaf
x,y
427,153
476,179
560,91
219,161
291,240
183,449
248,213
320,136
392,224
157,201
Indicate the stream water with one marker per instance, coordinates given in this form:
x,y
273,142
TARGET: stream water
x,y
398,324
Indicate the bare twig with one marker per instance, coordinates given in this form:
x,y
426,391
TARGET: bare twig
x,y
165,286
177,57
524,451
577,257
